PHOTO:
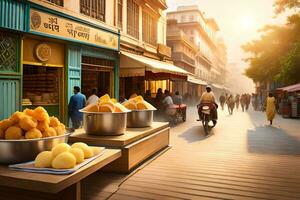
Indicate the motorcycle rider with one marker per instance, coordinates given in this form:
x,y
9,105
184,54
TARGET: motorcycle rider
x,y
208,99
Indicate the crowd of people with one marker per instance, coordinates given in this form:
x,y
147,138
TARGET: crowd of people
x,y
232,102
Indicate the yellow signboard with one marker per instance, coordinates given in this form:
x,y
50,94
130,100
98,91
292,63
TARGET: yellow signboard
x,y
65,28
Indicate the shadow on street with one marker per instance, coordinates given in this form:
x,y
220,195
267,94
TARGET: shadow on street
x,y
194,134
272,140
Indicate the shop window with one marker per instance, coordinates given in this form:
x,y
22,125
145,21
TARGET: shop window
x,y
133,18
41,87
57,2
8,52
149,29
93,8
120,13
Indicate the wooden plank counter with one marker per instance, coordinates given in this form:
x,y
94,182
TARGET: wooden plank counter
x,y
137,144
25,185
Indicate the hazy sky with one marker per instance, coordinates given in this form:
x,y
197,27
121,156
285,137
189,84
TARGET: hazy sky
x,y
237,19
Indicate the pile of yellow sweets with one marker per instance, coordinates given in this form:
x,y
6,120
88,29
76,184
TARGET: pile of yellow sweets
x,y
106,104
138,103
64,156
30,124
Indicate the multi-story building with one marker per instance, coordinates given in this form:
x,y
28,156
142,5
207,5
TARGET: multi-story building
x,y
195,44
49,46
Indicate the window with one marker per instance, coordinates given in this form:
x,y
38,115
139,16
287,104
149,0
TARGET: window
x,y
132,19
93,8
120,13
191,18
57,2
149,29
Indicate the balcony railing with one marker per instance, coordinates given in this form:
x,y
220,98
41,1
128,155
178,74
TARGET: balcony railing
x,y
57,2
183,57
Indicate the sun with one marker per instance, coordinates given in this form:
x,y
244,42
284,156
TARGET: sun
x,y
248,22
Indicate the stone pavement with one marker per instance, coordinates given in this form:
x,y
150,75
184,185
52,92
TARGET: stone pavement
x,y
243,159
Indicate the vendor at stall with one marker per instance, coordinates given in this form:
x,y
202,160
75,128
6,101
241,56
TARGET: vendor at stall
x,y
77,102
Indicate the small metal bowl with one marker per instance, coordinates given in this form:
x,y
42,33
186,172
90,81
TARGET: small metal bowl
x,y
18,151
104,123
140,118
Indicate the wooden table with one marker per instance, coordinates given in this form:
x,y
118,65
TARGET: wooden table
x,y
137,144
24,185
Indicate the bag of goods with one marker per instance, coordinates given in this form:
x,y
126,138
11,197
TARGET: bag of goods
x,y
64,156
138,103
106,104
31,124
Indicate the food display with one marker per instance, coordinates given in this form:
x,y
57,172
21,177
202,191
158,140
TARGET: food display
x,y
64,156
141,114
106,104
31,124
138,103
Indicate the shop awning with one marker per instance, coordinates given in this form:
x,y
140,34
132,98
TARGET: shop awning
x,y
129,68
217,86
291,88
195,80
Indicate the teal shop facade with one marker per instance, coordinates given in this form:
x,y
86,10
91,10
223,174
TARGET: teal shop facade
x,y
88,49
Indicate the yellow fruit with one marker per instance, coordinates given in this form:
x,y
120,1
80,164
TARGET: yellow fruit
x,y
141,106
93,108
65,160
60,148
97,150
130,105
139,98
43,159
78,153
113,100
88,152
120,108
33,134
13,133
106,107
40,114
54,122
104,98
49,132
27,123
42,125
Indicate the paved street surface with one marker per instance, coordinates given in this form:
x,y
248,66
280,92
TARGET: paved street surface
x,y
243,159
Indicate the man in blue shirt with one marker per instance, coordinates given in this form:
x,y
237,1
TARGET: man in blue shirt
x,y
77,102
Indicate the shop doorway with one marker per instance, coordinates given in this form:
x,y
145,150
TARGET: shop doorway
x,y
97,73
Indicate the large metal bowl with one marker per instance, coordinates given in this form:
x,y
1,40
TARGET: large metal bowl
x,y
140,118
18,151
99,123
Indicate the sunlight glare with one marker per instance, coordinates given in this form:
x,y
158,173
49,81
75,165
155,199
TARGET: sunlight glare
x,y
248,22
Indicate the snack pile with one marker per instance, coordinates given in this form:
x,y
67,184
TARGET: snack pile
x,y
30,124
138,103
106,104
64,156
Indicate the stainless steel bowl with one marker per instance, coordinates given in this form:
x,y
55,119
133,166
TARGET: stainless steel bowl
x,y
140,118
97,123
18,151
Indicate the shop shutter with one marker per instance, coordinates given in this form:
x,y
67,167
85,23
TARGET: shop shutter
x,y
74,69
9,98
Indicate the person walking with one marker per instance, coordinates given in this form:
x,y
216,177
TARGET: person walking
x,y
93,98
77,102
222,100
248,100
177,98
270,108
237,101
243,102
230,104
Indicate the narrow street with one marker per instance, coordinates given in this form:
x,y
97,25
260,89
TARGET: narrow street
x,y
243,159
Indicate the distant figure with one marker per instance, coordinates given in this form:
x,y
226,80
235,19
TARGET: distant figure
x,y
222,100
77,102
248,101
230,104
148,97
177,98
93,98
254,102
237,101
168,101
243,102
270,108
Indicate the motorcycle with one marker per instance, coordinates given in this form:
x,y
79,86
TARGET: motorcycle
x,y
205,112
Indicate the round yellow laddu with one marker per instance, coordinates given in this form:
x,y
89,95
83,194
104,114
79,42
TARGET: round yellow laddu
x,y
29,112
78,153
65,160
54,122
17,116
60,148
40,114
13,133
43,125
33,134
49,132
43,159
27,123
88,152
97,150
5,124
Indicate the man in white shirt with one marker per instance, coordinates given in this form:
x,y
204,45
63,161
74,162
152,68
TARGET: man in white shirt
x,y
93,98
168,99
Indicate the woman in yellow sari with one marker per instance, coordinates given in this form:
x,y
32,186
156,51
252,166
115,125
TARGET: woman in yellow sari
x,y
270,108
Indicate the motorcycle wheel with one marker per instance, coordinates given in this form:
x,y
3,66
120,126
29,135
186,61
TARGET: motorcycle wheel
x,y
205,125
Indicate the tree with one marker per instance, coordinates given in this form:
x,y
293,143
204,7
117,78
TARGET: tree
x,y
282,5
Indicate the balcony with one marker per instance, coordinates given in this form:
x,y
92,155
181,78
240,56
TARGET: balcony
x,y
178,56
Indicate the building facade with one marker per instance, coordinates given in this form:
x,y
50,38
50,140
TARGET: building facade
x,y
196,45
